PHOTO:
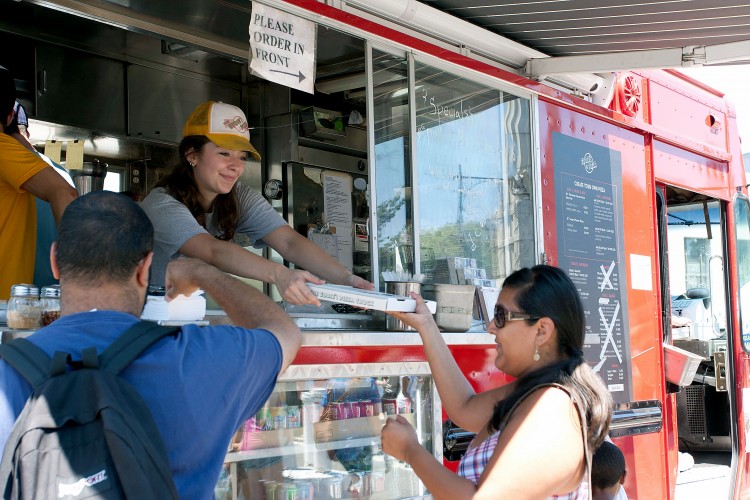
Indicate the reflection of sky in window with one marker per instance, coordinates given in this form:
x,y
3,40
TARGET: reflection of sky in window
x,y
389,158
474,143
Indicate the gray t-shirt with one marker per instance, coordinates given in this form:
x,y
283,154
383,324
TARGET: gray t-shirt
x,y
174,224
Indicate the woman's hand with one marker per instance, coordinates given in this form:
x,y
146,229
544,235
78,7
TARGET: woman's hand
x,y
398,438
292,285
419,319
357,282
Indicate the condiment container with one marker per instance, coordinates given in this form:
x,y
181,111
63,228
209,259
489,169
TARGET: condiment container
x,y
50,303
24,310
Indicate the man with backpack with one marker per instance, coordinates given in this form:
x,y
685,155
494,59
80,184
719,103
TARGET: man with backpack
x,y
199,384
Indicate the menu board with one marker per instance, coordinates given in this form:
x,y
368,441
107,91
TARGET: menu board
x,y
588,197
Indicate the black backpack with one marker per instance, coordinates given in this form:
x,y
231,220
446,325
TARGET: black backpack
x,y
85,432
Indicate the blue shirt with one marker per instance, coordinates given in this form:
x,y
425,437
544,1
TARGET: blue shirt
x,y
200,386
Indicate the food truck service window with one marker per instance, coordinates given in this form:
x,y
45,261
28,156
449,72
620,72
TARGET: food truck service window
x,y
473,151
457,193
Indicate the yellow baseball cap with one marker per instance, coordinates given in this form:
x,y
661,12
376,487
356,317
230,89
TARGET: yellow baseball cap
x,y
225,125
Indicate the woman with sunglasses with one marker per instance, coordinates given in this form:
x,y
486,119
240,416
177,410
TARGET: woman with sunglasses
x,y
534,436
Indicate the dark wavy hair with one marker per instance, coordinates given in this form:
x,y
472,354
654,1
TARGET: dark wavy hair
x,y
180,183
101,238
546,291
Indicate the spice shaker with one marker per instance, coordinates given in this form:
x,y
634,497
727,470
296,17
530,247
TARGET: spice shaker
x,y
24,310
50,303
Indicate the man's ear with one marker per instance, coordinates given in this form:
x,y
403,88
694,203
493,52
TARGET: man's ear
x,y
9,118
53,260
141,272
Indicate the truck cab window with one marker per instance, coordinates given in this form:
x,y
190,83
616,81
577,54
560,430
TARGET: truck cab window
x,y
742,233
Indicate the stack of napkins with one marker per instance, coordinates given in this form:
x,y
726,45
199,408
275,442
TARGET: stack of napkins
x,y
181,308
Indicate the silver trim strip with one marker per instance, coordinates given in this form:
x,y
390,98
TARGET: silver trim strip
x,y
636,417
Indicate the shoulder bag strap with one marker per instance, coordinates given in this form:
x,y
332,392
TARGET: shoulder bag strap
x,y
132,343
27,359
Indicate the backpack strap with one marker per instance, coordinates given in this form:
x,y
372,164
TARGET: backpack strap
x,y
27,359
132,343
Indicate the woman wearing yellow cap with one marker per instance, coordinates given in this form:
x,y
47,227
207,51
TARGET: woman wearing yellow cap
x,y
200,205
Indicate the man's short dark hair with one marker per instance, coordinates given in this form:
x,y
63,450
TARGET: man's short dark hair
x,y
7,93
102,237
608,466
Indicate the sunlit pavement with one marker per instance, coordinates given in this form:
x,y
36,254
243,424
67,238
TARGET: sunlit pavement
x,y
708,479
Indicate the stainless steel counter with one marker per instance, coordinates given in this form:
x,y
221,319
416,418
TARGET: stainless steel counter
x,y
316,334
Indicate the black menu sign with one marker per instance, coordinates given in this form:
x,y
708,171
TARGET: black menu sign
x,y
588,197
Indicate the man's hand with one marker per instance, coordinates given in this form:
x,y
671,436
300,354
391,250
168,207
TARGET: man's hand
x,y
183,276
245,306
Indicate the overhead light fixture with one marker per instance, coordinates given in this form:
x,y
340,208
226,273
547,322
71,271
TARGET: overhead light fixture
x,y
359,81
182,51
342,83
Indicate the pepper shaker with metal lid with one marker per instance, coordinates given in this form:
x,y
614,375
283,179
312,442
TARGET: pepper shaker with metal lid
x,y
50,302
24,311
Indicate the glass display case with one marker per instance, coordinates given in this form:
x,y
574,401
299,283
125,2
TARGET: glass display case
x,y
318,435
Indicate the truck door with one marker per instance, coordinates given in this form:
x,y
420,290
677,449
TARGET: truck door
x,y
738,362
693,247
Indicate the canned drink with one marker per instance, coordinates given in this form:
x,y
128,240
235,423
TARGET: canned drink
x,y
286,491
405,405
278,417
356,409
366,408
263,420
293,419
377,482
390,406
336,410
305,490
270,487
332,487
347,407
377,407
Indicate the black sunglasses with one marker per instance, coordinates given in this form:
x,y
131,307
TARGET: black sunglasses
x,y
501,316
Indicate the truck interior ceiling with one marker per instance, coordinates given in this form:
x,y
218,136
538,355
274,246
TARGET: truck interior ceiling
x,y
125,93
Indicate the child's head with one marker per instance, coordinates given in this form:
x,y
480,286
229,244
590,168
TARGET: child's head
x,y
607,471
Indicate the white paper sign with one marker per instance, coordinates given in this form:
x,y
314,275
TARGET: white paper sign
x,y
282,47
337,205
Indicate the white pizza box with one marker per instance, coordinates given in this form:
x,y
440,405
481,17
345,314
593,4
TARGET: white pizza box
x,y
367,299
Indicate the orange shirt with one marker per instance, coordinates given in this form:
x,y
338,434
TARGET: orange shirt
x,y
17,214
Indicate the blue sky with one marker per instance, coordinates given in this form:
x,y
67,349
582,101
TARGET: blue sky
x,y
733,81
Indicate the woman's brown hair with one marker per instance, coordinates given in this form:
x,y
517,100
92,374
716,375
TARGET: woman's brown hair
x,y
180,183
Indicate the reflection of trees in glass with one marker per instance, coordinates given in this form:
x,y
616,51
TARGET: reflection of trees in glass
x,y
451,240
387,210
697,253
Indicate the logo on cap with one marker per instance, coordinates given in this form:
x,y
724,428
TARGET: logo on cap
x,y
237,123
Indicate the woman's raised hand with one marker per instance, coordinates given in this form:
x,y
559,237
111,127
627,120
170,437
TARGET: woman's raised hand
x,y
420,318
